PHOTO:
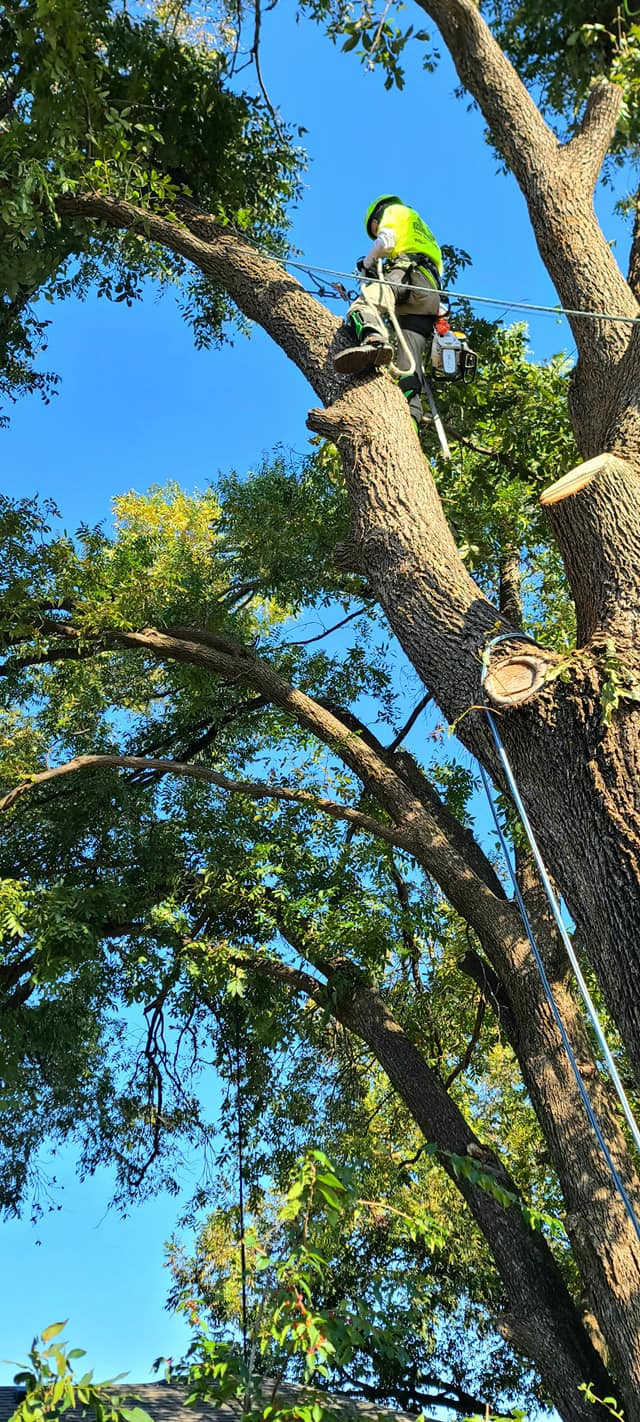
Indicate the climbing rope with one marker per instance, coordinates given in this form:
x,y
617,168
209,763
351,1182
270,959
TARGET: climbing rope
x,y
555,909
337,291
240,1144
343,294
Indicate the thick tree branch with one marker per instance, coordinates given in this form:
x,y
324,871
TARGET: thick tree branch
x,y
417,828
587,150
526,1266
557,183
509,594
594,512
252,789
262,289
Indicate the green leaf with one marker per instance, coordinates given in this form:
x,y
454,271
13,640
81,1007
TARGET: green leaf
x,y
53,1330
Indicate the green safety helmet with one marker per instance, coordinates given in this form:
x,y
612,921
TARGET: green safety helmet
x,y
372,214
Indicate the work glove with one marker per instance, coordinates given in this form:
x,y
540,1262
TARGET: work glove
x,y
363,270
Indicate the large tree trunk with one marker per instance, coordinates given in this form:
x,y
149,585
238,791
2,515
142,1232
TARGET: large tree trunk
x,y
578,776
602,1236
541,1321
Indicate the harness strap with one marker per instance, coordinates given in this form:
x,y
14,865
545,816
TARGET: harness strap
x,y
424,263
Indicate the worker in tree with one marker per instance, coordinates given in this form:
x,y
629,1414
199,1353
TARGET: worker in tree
x,y
412,264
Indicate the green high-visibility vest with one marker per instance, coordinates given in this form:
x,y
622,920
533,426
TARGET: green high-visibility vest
x,y
410,232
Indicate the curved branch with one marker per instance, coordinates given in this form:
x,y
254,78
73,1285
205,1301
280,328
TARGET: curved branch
x,y
529,1273
425,827
260,286
253,789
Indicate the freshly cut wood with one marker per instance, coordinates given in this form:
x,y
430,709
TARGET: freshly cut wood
x,y
576,479
594,514
516,679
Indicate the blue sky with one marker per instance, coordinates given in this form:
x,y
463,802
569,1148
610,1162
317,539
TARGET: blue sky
x,y
136,405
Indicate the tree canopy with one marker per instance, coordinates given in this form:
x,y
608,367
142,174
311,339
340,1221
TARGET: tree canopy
x,y
228,842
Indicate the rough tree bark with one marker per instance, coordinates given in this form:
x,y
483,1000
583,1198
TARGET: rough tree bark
x,y
575,775
603,1241
578,776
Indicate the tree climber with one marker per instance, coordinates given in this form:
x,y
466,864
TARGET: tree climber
x,y
413,266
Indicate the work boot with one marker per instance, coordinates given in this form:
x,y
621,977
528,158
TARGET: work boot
x,y
358,360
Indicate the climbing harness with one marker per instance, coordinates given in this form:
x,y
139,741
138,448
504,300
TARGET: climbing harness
x,y
451,356
555,909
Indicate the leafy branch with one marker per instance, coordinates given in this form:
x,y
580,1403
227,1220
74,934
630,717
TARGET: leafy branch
x,y
52,1388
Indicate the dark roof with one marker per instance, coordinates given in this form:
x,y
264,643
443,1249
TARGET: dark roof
x,y
162,1402
165,1403
9,1399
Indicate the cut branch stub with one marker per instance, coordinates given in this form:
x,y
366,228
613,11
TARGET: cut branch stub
x,y
516,679
594,512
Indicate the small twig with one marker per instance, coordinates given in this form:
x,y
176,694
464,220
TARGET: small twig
x,y
255,55
378,32
236,48
306,641
417,710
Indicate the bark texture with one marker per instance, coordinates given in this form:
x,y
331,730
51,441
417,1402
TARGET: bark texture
x,y
602,1237
594,514
542,1321
577,771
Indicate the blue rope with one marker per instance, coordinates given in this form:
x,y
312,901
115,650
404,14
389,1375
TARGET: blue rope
x,y
555,909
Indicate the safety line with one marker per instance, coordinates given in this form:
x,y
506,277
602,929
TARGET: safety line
x,y
555,909
466,296
240,1134
556,1013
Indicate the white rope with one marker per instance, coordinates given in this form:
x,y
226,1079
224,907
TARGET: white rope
x,y
385,302
486,300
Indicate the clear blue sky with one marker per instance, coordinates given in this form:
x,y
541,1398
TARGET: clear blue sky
x,y
137,404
